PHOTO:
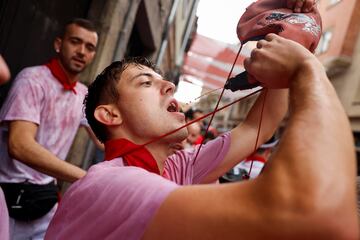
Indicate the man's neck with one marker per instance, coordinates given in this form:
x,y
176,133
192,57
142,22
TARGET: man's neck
x,y
73,77
160,152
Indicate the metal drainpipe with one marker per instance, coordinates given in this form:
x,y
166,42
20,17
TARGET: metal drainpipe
x,y
129,21
164,38
189,25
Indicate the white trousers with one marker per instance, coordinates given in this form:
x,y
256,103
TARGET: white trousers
x,y
31,230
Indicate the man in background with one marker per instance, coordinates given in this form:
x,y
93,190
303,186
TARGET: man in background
x,y
39,121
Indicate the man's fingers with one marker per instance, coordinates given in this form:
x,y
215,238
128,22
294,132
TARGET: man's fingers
x,y
271,36
299,5
254,61
308,6
255,54
251,79
291,4
247,64
261,44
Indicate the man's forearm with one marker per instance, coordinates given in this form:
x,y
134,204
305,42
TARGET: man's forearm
x,y
317,115
243,137
276,105
37,157
315,160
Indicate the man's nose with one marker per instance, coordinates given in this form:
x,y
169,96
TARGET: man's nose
x,y
81,50
168,87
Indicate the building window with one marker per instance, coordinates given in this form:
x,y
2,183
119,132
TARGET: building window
x,y
324,43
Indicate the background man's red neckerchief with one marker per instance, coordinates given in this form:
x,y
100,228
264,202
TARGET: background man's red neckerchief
x,y
60,75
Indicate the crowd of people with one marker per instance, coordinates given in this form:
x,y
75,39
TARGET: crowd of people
x,y
165,189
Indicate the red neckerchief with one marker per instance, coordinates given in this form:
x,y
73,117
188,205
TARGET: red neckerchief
x,y
140,157
256,157
60,75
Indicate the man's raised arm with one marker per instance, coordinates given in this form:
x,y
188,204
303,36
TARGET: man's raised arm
x,y
308,188
243,137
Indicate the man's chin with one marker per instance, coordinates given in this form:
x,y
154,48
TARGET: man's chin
x,y
176,146
77,69
176,137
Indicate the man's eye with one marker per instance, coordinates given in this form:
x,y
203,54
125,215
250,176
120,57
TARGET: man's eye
x,y
147,83
74,41
90,48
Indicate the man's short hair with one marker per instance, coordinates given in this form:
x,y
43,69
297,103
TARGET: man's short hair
x,y
81,22
189,114
103,90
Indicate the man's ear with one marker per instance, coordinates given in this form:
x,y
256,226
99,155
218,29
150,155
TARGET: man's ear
x,y
57,44
108,115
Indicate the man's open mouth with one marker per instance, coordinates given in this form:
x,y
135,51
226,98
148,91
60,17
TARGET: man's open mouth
x,y
173,106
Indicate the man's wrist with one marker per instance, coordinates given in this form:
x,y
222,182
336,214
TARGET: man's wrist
x,y
309,69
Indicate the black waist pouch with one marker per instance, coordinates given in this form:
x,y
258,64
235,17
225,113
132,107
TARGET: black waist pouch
x,y
27,201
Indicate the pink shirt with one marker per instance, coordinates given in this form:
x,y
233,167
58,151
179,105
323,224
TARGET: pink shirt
x,y
38,97
117,202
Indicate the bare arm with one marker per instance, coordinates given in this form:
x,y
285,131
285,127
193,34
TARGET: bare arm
x,y
307,190
4,71
23,147
243,137
95,139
